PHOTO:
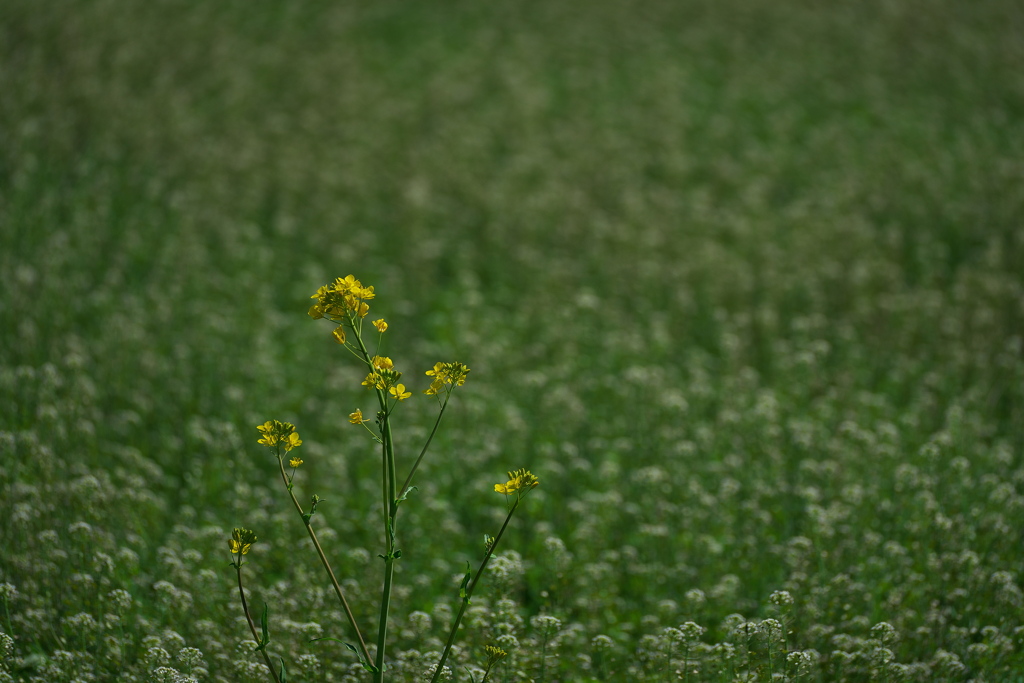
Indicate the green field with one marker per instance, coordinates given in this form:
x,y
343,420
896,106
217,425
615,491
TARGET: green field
x,y
742,282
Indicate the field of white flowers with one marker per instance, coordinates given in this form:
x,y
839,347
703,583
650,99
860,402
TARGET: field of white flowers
x,y
741,282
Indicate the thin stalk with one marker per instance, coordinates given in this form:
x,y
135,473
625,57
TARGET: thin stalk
x,y
389,446
382,631
252,626
415,465
390,509
469,593
323,560
487,674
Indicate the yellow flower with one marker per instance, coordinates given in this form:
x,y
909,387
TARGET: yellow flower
x,y
275,432
291,441
446,376
342,298
374,380
357,305
399,392
269,438
295,461
344,285
382,373
241,540
519,481
349,285
494,655
380,325
434,387
356,418
339,334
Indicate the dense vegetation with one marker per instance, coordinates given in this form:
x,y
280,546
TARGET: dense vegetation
x,y
742,282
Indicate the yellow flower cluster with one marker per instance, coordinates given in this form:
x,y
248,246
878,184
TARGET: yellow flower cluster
x,y
241,540
494,655
341,300
446,376
519,481
276,432
382,374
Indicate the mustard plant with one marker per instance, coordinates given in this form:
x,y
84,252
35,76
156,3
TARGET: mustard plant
x,y
344,303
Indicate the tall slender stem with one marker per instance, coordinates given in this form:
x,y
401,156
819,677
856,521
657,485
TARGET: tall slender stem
x,y
327,565
252,626
423,451
390,510
382,631
389,497
469,594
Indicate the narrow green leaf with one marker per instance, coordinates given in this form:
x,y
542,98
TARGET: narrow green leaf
x,y
284,674
263,625
405,495
464,588
362,660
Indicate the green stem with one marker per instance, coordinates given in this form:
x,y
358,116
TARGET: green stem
x,y
390,513
389,447
469,593
382,631
390,510
415,465
252,626
323,560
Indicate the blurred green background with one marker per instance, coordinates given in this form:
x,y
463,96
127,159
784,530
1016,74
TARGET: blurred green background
x,y
730,277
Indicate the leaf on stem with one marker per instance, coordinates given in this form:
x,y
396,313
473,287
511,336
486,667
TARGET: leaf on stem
x,y
464,588
405,495
262,645
362,660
